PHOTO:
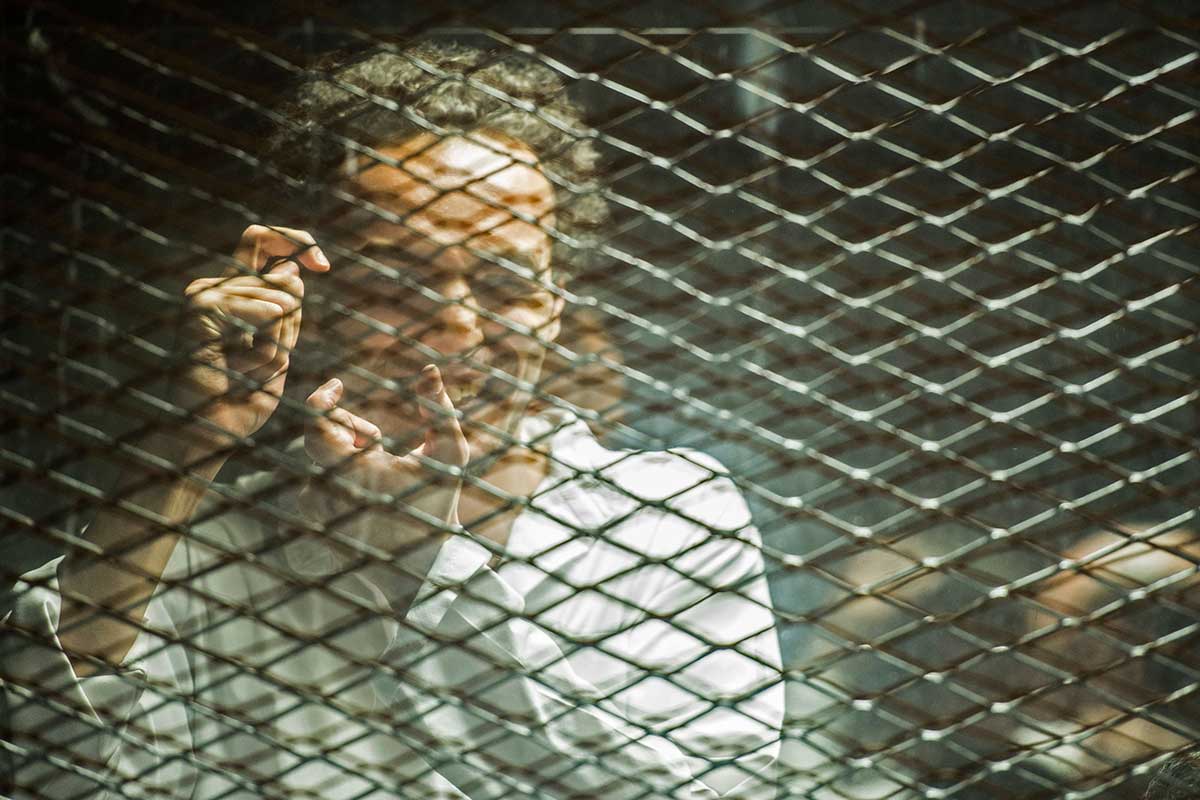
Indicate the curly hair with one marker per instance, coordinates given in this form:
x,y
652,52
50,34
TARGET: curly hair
x,y
390,93
1178,779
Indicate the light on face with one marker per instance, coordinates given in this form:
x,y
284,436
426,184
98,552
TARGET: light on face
x,y
452,255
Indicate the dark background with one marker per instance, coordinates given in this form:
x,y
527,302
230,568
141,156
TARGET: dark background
x,y
862,262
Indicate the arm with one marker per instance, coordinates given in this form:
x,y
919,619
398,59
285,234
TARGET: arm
x,y
218,310
122,584
68,734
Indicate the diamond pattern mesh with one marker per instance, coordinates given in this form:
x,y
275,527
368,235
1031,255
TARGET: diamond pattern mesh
x,y
921,277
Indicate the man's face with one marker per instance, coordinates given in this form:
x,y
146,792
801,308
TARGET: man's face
x,y
465,218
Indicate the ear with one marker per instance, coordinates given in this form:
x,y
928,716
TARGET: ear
x,y
349,166
553,327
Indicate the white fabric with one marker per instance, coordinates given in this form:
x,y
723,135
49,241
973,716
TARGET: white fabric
x,y
625,647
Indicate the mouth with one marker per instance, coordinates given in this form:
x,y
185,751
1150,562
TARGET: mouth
x,y
463,393
477,392
464,382
479,384
486,384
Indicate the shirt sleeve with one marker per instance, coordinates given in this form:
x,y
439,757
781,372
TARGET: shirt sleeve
x,y
66,730
129,729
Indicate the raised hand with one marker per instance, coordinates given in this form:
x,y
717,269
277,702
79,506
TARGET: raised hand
x,y
240,329
352,449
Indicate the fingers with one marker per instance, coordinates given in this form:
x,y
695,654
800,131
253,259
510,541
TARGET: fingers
x,y
334,434
254,311
268,301
262,243
290,332
326,396
259,325
256,348
287,303
444,439
283,280
326,441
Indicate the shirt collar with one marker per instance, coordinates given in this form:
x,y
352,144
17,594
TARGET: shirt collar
x,y
572,446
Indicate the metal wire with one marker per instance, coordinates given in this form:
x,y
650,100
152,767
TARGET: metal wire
x,y
918,282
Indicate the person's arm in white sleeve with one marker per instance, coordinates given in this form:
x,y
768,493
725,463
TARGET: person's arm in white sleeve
x,y
66,729
128,727
122,554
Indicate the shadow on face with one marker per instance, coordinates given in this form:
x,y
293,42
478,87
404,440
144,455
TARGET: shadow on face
x,y
446,259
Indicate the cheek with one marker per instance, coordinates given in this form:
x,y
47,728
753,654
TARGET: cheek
x,y
376,327
541,321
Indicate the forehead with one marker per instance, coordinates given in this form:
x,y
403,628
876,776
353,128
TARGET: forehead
x,y
457,186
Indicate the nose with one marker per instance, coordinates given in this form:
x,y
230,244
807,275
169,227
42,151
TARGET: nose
x,y
455,323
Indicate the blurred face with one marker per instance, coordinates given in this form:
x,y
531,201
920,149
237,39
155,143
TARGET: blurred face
x,y
453,269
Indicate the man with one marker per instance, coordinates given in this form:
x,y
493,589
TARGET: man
x,y
505,608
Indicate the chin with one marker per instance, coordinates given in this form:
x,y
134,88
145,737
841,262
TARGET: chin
x,y
501,419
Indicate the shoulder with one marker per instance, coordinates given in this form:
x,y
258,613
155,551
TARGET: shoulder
x,y
680,486
678,503
35,598
658,474
686,483
691,511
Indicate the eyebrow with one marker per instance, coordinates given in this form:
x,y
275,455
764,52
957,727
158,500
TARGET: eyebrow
x,y
377,194
380,199
385,269
419,270
520,258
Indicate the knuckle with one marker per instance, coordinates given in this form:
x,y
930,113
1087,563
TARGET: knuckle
x,y
285,277
203,299
294,289
256,281
255,231
197,286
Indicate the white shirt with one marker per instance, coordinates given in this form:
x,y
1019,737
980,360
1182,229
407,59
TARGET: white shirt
x,y
624,648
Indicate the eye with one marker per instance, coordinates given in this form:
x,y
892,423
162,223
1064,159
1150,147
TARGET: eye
x,y
507,289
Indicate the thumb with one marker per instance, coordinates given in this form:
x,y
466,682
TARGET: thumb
x,y
326,440
444,439
326,396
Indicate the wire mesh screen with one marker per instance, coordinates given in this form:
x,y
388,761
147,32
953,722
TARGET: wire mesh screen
x,y
604,400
